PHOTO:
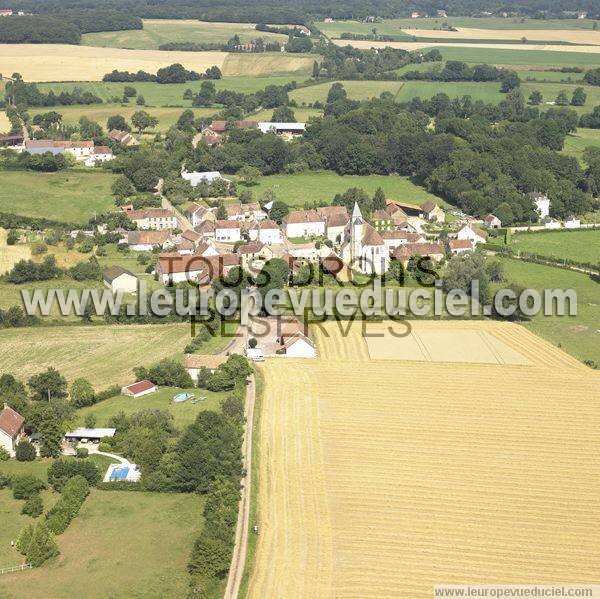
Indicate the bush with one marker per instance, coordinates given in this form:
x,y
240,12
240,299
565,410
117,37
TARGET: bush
x,y
4,455
33,507
26,485
74,492
4,481
37,544
25,452
82,452
104,447
65,468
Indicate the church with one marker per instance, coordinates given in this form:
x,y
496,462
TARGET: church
x,y
363,248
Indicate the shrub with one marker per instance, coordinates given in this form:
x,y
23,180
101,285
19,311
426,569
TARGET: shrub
x,y
4,481
65,468
26,485
25,452
104,447
252,343
37,544
82,452
4,455
74,492
33,507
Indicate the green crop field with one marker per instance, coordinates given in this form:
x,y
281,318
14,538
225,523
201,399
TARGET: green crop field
x,y
582,245
121,544
321,186
550,76
70,196
576,143
157,32
399,26
575,334
183,413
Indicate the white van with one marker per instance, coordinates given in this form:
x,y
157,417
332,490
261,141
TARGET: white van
x,y
255,354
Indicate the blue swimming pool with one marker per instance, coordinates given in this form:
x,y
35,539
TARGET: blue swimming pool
x,y
182,397
120,473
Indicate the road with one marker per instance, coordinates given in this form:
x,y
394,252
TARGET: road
x,y
240,549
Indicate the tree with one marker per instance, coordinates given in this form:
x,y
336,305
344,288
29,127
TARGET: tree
x,y
129,91
117,122
463,269
210,557
82,393
12,392
336,92
221,213
122,187
141,120
25,486
25,452
89,421
33,507
509,80
48,385
89,129
379,199
283,114
249,175
535,98
579,97
562,99
140,101
278,211
41,546
316,70
495,271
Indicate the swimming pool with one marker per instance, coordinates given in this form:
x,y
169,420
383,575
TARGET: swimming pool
x,y
180,397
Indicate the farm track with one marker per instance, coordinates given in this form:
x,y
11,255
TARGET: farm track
x,y
382,478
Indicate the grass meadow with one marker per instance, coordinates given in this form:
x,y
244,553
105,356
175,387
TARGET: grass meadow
x,y
121,544
576,143
575,334
582,245
183,413
161,31
321,186
71,196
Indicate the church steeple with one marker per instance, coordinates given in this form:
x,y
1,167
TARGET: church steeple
x,y
356,234
356,214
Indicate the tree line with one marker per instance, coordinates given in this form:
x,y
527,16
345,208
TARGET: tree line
x,y
174,73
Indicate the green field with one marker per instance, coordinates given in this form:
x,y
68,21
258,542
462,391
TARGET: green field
x,y
158,32
550,76
321,186
71,196
583,245
357,90
399,26
576,143
120,545
183,413
575,334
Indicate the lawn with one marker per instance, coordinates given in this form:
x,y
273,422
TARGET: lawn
x,y
157,32
575,334
576,143
121,544
583,245
105,355
183,413
71,196
321,186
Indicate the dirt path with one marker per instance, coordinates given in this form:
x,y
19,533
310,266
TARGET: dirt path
x,y
238,559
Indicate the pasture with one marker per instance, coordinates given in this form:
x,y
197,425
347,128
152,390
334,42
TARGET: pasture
x,y
582,245
105,355
11,254
578,334
322,186
357,90
72,196
576,143
162,31
435,474
121,544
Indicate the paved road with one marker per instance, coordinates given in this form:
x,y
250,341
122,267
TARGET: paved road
x,y
238,560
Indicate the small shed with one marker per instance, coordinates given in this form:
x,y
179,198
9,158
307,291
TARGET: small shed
x,y
139,389
117,278
89,434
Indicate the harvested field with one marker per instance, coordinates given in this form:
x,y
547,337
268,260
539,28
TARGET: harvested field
x,y
267,63
4,122
61,62
365,44
381,478
11,254
105,355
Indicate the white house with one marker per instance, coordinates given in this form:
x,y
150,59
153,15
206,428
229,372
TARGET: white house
x,y
551,223
297,346
11,428
460,246
493,222
304,252
392,239
158,219
572,223
304,223
284,129
146,241
194,362
266,231
542,204
99,154
175,268
206,177
227,231
198,214
473,234
117,278
139,389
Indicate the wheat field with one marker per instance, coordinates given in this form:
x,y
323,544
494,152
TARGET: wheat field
x,y
573,36
11,254
382,478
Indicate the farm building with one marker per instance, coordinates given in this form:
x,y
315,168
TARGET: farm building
x,y
283,129
493,222
460,246
472,233
298,346
434,251
117,278
551,223
304,223
198,214
99,154
83,435
207,177
572,223
11,428
123,137
175,268
139,389
194,362
432,212
157,219
146,241
222,126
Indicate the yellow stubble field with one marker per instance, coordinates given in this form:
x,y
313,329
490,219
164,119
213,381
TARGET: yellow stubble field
x,y
383,477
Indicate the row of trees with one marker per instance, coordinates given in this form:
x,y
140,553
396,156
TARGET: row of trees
x,y
175,73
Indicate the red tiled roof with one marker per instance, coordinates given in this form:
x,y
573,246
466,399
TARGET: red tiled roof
x,y
251,248
213,265
400,235
227,224
418,249
303,216
371,236
460,244
140,387
10,421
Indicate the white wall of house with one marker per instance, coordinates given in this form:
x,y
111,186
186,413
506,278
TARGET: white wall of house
x,y
301,349
126,283
305,229
573,223
542,205
228,235
157,224
8,443
266,236
336,234
468,233
179,277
